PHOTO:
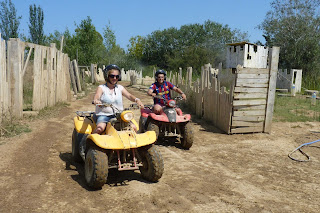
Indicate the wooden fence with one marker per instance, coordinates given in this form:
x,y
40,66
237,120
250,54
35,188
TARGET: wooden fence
x,y
51,76
246,107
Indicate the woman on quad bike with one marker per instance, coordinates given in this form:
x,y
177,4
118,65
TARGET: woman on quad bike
x,y
161,87
111,93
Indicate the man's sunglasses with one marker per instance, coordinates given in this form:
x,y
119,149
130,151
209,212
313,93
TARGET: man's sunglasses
x,y
112,76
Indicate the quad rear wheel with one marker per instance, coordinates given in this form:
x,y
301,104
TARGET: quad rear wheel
x,y
76,138
187,136
96,168
152,162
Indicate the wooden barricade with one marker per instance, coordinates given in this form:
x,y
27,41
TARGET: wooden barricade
x,y
51,80
4,81
246,108
249,100
254,95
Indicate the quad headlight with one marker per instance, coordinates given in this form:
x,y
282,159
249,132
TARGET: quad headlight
x,y
127,116
172,103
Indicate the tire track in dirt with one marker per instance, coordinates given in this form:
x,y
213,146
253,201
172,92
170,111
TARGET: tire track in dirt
x,y
220,173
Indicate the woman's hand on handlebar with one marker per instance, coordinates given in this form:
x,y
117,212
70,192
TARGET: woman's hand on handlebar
x,y
96,101
140,104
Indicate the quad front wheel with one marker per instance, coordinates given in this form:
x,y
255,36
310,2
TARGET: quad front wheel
x,y
153,127
187,136
96,168
152,162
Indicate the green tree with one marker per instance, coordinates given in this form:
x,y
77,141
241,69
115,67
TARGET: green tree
x,y
190,45
109,37
9,22
114,54
136,46
294,26
36,18
89,43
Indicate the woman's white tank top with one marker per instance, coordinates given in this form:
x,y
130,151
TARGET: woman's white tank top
x,y
113,97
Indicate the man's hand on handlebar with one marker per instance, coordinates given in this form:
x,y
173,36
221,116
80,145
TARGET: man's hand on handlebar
x,y
184,97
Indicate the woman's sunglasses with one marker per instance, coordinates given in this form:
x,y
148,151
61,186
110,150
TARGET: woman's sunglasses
x,y
112,76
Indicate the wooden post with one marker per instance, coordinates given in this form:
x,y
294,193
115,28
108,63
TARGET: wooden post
x,y
67,74
36,105
50,77
76,72
72,77
53,70
92,73
4,86
180,77
274,59
61,43
15,64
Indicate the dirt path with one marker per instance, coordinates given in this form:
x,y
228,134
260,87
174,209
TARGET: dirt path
x,y
220,173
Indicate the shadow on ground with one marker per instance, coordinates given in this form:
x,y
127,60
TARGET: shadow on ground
x,y
115,177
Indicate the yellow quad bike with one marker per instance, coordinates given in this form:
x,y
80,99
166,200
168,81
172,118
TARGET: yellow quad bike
x,y
118,147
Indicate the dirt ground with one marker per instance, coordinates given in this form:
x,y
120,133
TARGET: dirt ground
x,y
220,173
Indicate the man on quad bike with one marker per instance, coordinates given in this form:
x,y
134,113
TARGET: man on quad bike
x,y
162,88
165,117
111,93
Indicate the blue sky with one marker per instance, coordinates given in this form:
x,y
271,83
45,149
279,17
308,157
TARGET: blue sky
x,y
130,18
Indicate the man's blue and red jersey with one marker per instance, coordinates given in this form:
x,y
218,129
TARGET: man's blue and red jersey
x,y
163,90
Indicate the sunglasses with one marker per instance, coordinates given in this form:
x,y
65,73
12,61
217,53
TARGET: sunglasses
x,y
112,76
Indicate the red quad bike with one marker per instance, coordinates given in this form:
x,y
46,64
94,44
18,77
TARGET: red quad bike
x,y
171,122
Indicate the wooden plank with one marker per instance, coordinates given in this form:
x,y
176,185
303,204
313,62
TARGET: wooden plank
x,y
274,59
59,77
248,118
249,95
247,123
26,64
246,108
245,113
250,90
253,81
51,87
251,85
2,78
68,90
44,89
255,76
248,102
252,71
247,130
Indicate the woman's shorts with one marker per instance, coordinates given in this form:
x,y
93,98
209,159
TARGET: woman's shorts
x,y
104,118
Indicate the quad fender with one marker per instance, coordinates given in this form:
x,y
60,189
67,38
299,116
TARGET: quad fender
x,y
84,125
122,139
183,118
135,123
145,112
164,118
179,111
